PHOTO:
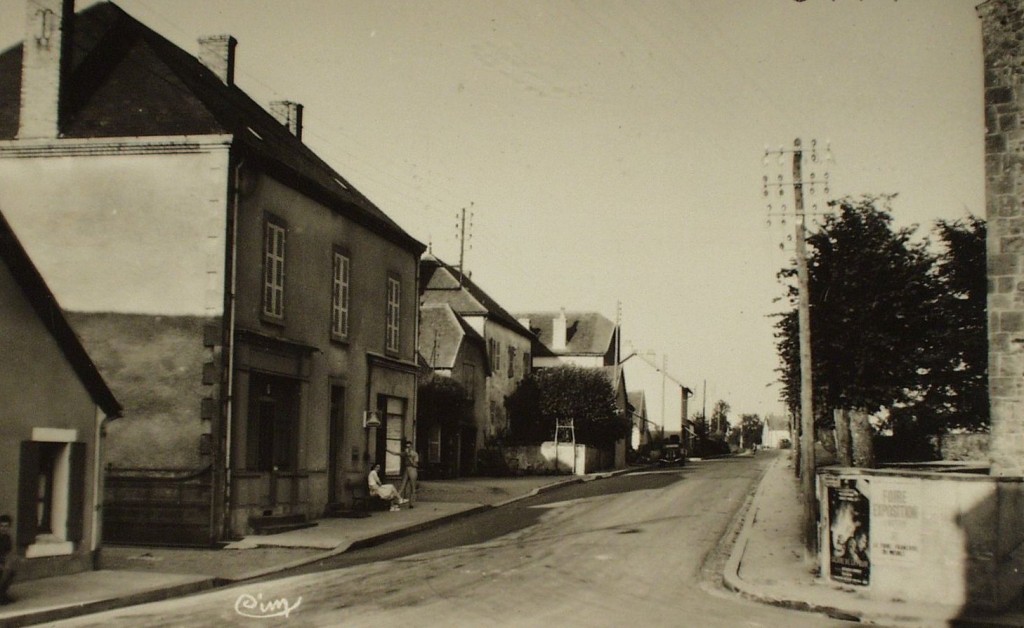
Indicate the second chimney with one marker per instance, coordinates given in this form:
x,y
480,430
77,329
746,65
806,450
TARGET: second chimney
x,y
217,52
558,331
289,114
45,54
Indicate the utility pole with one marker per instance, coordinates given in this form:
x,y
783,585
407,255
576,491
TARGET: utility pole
x,y
461,226
704,405
807,454
664,379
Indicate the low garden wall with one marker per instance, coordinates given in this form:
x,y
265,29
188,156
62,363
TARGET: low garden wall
x,y
923,536
549,458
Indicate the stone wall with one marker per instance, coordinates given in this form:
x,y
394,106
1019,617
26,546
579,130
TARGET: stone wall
x,y
1002,32
965,447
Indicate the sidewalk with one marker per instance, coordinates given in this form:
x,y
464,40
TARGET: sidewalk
x,y
768,564
135,575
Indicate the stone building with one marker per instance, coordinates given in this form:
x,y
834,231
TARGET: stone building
x,y
246,303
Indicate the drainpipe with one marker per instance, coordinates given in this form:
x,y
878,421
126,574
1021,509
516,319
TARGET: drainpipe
x,y
415,360
97,485
229,344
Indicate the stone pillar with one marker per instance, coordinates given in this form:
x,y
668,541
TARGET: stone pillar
x,y
1002,33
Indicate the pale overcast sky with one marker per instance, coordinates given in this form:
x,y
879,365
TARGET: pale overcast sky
x,y
612,151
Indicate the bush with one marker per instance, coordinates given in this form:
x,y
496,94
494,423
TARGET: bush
x,y
562,393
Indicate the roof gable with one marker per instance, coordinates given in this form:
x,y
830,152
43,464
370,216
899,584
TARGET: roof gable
x,y
441,284
442,335
32,285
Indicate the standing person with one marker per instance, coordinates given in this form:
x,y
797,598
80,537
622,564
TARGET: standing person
x,y
384,491
8,559
411,466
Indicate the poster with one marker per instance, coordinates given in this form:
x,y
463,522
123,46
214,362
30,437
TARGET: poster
x,y
849,533
896,522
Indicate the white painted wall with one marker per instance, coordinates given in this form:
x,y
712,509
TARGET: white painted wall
x,y
114,228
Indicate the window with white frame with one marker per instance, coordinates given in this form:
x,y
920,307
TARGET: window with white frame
x,y
340,295
394,311
273,268
51,492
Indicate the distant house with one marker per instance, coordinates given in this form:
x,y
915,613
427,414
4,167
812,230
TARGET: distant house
x,y
247,304
582,338
508,343
776,429
52,421
641,433
449,346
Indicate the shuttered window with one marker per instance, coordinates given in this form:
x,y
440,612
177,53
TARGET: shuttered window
x,y
51,491
273,268
340,295
393,313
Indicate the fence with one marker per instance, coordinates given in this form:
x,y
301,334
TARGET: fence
x,y
158,507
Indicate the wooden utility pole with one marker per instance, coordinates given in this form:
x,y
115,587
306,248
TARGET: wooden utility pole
x,y
805,422
807,457
462,240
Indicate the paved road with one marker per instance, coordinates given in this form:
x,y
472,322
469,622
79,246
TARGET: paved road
x,y
616,552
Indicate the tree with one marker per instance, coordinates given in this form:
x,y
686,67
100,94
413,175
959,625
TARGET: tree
x,y
957,385
566,393
873,298
700,425
719,424
747,433
444,401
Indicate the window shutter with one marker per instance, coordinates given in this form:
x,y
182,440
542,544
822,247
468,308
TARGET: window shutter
x,y
76,497
28,487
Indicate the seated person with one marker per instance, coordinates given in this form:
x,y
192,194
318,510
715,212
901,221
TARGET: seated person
x,y
384,491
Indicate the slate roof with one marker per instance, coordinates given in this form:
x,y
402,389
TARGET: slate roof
x,y
439,283
586,333
442,333
126,80
32,285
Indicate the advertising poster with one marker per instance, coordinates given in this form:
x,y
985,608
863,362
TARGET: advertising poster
x,y
896,522
849,533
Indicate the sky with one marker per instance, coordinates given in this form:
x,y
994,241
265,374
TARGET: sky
x,y
609,155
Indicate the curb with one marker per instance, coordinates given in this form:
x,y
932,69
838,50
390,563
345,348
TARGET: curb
x,y
379,539
210,583
88,608
732,581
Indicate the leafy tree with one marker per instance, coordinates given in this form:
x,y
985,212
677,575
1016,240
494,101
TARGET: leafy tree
x,y
893,325
562,393
957,391
700,425
443,400
748,432
873,299
719,423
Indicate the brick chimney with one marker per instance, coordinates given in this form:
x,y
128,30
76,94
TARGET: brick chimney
x,y
48,27
558,331
289,114
217,52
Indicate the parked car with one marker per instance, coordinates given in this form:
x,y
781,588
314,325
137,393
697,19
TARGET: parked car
x,y
672,454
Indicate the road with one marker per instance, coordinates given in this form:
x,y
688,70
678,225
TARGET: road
x,y
615,552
